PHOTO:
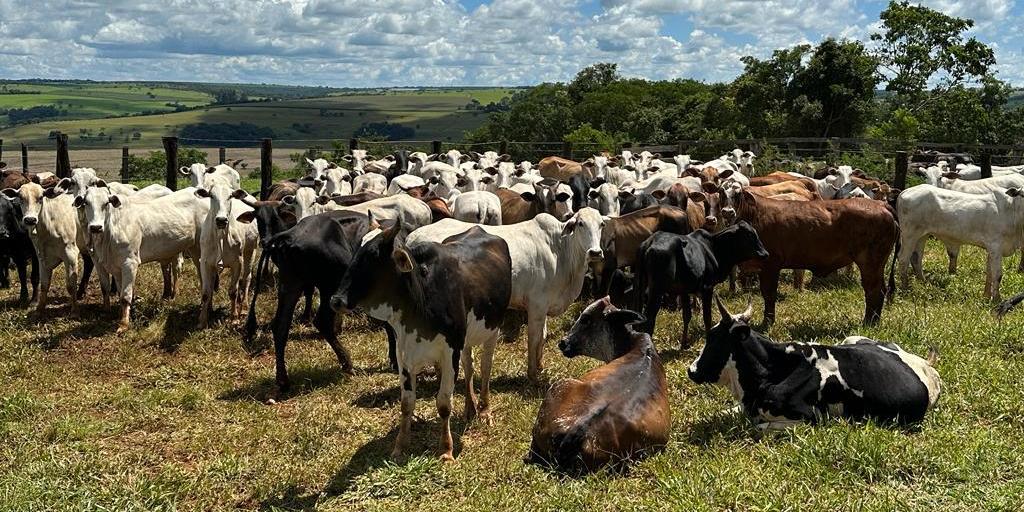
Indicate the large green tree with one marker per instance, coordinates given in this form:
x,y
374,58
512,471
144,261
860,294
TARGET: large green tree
x,y
833,95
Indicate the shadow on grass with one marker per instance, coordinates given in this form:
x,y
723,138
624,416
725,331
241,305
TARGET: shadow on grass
x,y
182,321
303,380
800,330
88,321
840,279
725,425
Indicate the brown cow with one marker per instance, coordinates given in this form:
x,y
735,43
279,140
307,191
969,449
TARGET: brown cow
x,y
545,198
614,413
804,188
771,179
354,199
822,236
438,208
621,238
558,168
696,205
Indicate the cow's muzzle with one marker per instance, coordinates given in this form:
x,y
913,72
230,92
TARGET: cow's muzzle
x,y
221,222
93,228
566,348
31,221
595,254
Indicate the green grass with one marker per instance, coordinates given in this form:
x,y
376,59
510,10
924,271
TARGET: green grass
x,y
86,101
169,417
435,114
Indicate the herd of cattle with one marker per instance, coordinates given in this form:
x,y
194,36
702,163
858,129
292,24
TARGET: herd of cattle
x,y
439,249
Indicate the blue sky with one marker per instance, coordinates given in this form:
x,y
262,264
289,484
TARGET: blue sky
x,y
360,43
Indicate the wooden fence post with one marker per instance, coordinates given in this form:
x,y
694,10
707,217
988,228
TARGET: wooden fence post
x,y
353,144
1,150
502,147
222,154
266,168
902,164
24,157
435,147
125,178
63,160
986,164
567,150
171,150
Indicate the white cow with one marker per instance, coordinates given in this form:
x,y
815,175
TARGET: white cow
x,y
336,182
403,183
549,260
358,159
605,199
197,172
127,232
370,182
318,168
990,221
477,206
84,177
52,224
225,243
417,160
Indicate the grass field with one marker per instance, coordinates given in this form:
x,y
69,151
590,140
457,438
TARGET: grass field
x,y
168,417
434,113
95,100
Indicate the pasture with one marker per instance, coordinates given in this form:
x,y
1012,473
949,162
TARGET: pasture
x,y
100,99
168,417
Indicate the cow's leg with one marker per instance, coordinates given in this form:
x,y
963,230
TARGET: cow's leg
x,y
167,271
104,278
953,251
536,319
207,271
486,363
128,272
467,369
769,281
35,276
918,259
307,312
407,377
654,293
707,295
287,299
324,322
71,273
799,275
684,339
44,282
5,263
904,260
86,273
233,295
449,368
872,280
392,355
995,274
1020,266
21,263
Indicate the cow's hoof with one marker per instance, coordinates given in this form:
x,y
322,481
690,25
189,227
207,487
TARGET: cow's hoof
x,y
396,455
447,458
484,416
123,328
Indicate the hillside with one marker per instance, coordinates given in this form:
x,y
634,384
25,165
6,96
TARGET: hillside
x,y
105,114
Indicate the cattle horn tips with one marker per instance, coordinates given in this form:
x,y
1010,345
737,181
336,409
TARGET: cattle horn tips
x,y
747,313
721,308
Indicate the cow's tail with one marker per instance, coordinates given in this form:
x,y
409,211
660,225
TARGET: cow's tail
x,y
481,213
891,292
1007,305
249,332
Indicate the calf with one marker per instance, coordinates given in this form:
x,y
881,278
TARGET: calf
x,y
225,243
614,413
822,236
990,221
782,384
441,299
127,232
16,246
549,261
52,225
316,253
622,236
680,265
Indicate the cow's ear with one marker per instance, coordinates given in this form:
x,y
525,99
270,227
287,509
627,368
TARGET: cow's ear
x,y
289,199
625,194
78,202
239,193
623,317
570,226
505,157
246,217
832,171
487,180
951,175
184,171
308,161
51,193
115,201
10,193
323,199
99,183
562,197
202,192
347,158
725,174
403,260
528,196
659,195
691,171
461,181
211,169
1014,192
287,215
697,197
492,171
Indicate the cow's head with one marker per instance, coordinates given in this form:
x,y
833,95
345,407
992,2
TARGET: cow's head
x,y
605,199
95,203
271,217
375,268
81,179
741,243
551,197
220,195
195,173
30,197
584,227
10,215
722,341
304,202
601,332
337,182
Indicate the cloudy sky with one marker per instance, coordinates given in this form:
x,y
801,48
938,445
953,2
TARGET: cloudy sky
x,y
365,43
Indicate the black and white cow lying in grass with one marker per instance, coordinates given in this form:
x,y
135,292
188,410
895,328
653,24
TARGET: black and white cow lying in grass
x,y
781,384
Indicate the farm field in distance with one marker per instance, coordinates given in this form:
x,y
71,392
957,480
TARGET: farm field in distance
x,y
168,417
433,113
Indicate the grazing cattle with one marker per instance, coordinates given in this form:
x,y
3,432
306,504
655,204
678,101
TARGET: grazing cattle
x,y
127,232
558,168
822,236
441,299
315,254
52,225
225,243
544,198
370,182
615,413
549,260
622,236
990,221
680,265
779,385
16,246
479,207
198,172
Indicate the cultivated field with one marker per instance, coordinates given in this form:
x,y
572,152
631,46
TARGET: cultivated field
x,y
94,100
168,417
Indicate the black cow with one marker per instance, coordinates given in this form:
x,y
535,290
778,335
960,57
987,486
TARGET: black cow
x,y
680,265
314,254
16,246
441,299
780,384
580,189
630,202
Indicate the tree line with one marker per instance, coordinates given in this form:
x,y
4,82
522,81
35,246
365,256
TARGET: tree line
x,y
923,79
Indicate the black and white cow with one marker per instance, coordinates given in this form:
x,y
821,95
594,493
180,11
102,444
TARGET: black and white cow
x,y
441,299
16,246
680,265
782,384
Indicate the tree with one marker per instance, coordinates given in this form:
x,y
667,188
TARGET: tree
x,y
833,94
592,78
761,90
918,46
